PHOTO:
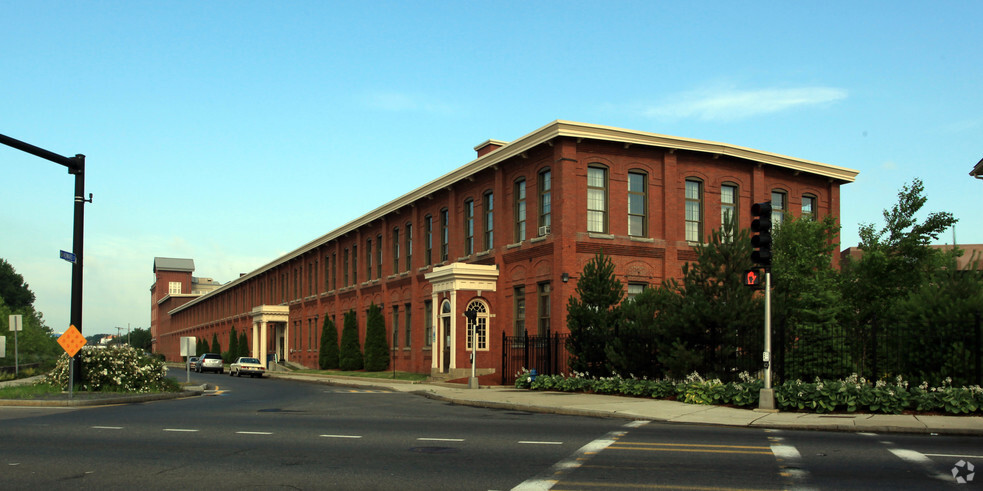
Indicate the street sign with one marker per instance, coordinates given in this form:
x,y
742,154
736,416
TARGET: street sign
x,y
3,346
16,322
68,256
72,341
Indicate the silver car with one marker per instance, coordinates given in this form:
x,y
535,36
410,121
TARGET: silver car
x,y
210,362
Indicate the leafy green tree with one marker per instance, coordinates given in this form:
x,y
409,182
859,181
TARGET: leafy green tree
x,y
807,303
243,344
201,347
376,345
216,347
13,290
328,354
715,320
897,258
350,358
233,352
140,339
592,315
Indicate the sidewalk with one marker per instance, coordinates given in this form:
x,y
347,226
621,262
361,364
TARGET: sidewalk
x,y
607,406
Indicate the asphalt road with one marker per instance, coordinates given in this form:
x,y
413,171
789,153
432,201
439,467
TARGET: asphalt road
x,y
271,433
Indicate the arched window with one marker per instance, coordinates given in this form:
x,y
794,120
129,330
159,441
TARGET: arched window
x,y
478,329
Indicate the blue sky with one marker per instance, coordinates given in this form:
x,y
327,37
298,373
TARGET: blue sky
x,y
231,132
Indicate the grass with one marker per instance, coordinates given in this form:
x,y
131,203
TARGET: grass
x,y
409,376
28,391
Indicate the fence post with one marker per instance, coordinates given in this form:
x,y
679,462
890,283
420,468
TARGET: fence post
x,y
979,353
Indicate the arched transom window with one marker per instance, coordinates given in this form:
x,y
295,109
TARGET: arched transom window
x,y
478,329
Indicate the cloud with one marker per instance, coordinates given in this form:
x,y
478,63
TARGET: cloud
x,y
726,104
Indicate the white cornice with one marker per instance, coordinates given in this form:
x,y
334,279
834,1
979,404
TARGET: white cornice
x,y
545,134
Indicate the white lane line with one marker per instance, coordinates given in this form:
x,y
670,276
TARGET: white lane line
x,y
867,434
551,476
953,455
185,430
341,436
785,452
440,439
921,460
637,424
254,432
107,427
540,443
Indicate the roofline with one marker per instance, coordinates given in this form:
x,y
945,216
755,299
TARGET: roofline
x,y
555,129
977,171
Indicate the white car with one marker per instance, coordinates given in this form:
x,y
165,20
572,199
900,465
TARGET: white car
x,y
245,365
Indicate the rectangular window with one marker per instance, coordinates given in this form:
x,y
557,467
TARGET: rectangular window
x,y
694,211
409,246
334,270
634,289
778,207
519,208
327,272
545,198
444,234
469,227
519,305
310,279
368,259
544,309
174,288
428,322
395,250
637,204
489,221
310,334
728,207
428,226
395,327
597,200
808,207
378,256
354,264
344,262
406,326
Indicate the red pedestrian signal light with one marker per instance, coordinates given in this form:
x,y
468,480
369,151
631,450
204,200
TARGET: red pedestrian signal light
x,y
754,278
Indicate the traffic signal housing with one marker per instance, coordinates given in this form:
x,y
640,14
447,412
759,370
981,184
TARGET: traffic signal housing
x,y
761,227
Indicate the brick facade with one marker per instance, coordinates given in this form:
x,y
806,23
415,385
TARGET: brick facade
x,y
310,281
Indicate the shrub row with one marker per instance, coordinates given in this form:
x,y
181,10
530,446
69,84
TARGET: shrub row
x,y
115,369
822,396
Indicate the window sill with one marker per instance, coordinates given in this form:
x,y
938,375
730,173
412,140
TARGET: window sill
x,y
642,239
595,235
513,246
537,239
483,253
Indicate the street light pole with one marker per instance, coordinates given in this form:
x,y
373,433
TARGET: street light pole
x,y
76,167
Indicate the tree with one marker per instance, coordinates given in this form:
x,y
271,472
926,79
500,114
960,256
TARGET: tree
x,y
897,259
807,304
350,357
216,347
233,352
201,347
15,293
141,339
327,357
376,345
243,345
592,315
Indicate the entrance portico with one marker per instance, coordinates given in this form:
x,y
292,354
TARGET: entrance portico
x,y
451,279
264,315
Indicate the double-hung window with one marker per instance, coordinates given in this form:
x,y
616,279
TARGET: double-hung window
x,y
444,234
808,207
489,221
779,204
428,239
597,199
519,209
637,199
545,199
728,208
694,210
409,246
469,227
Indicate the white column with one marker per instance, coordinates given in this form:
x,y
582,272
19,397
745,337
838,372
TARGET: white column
x,y
263,327
453,335
286,341
436,351
255,351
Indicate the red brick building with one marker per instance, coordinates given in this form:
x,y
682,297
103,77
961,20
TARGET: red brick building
x,y
507,234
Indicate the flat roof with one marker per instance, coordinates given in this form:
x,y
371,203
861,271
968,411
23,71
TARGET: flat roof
x,y
173,264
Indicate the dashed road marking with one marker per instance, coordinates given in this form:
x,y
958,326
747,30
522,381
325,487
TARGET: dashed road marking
x,y
539,443
340,436
920,460
254,432
179,430
426,439
107,427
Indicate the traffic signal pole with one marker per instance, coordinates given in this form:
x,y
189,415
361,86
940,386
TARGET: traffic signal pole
x,y
766,398
761,225
76,167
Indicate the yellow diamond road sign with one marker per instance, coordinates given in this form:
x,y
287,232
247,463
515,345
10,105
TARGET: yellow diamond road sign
x,y
72,341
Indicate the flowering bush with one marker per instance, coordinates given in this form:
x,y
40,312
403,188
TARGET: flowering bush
x,y
114,369
851,394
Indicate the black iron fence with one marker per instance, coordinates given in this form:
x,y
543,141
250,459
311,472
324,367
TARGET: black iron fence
x,y
943,351
546,353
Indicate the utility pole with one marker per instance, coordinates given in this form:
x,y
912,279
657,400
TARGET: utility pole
x,y
76,167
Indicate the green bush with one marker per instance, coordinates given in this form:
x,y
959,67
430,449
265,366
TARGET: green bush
x,y
376,345
119,368
350,358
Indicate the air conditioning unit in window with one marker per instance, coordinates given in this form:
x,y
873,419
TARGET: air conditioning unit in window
x,y
544,230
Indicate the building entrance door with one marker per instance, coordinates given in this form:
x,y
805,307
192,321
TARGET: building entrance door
x,y
446,321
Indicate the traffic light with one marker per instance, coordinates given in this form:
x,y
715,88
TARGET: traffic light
x,y
754,278
761,227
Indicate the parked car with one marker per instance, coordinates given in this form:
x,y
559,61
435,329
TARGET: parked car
x,y
248,366
210,362
193,363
